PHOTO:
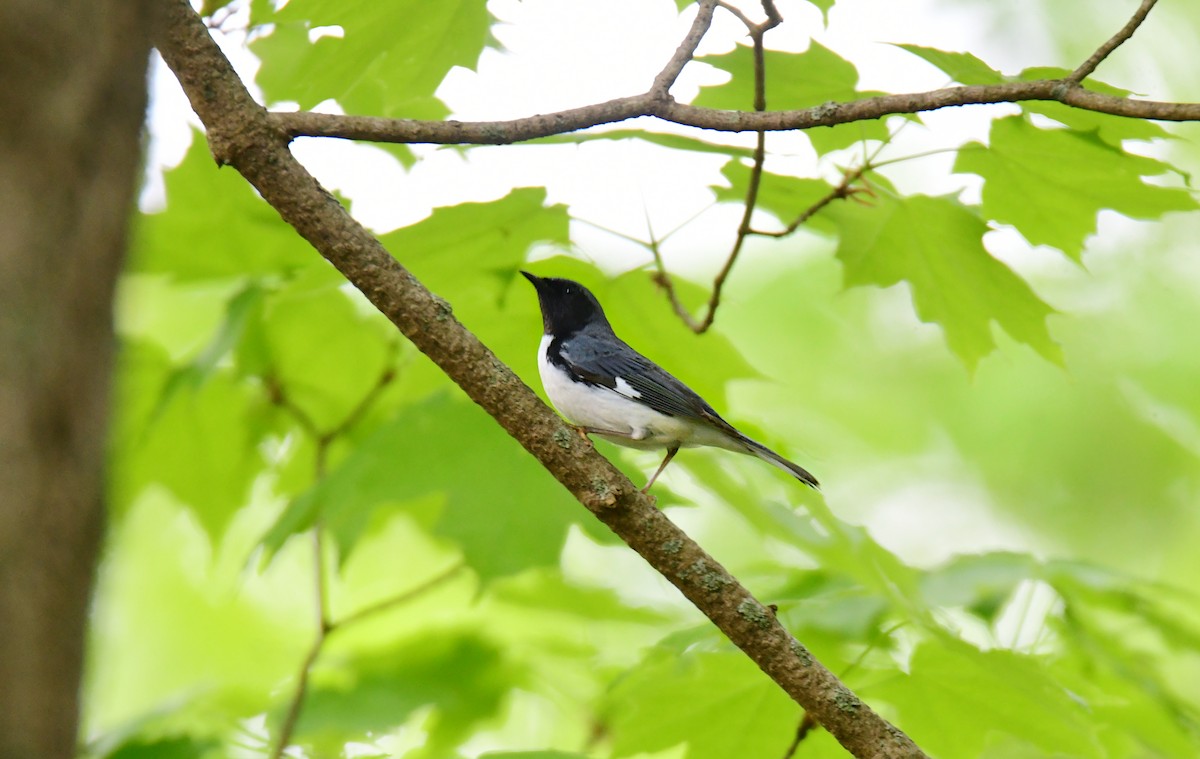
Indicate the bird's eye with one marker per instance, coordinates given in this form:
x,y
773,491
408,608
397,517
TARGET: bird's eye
x,y
568,291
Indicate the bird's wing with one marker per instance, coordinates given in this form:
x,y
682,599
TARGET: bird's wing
x,y
603,364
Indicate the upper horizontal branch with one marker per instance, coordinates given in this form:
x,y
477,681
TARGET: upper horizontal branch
x,y
375,129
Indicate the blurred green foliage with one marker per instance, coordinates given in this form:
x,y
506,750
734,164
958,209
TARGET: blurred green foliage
x,y
1005,567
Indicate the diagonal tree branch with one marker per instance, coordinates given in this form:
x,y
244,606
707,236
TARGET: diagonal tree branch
x,y
242,134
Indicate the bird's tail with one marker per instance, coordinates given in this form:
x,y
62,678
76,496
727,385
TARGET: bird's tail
x,y
771,457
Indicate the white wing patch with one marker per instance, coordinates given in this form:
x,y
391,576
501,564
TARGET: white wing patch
x,y
605,408
625,389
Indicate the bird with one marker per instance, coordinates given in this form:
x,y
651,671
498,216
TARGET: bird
x,y
608,389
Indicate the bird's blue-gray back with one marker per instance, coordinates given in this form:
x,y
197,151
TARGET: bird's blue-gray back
x,y
598,361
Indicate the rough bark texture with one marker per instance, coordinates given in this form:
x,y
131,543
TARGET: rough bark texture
x,y
379,129
242,134
72,99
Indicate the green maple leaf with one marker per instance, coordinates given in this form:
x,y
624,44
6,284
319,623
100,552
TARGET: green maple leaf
x,y
1051,183
936,246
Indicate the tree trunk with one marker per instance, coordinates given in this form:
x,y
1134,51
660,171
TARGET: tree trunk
x,y
72,100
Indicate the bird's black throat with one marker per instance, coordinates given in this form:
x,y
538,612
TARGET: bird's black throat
x,y
567,306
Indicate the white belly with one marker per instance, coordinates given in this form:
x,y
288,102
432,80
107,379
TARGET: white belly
x,y
601,408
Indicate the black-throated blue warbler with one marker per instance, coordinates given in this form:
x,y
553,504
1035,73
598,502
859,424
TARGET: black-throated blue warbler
x,y
608,389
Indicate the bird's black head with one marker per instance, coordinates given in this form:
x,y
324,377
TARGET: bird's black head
x,y
567,306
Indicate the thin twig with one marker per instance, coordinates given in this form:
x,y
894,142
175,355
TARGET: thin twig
x,y
320,579
807,723
912,156
368,400
400,598
288,726
685,51
654,239
663,279
774,17
323,438
757,31
328,628
743,230
843,190
325,625
280,398
1088,66
737,13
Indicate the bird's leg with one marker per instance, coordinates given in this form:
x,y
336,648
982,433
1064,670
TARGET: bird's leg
x,y
666,460
639,435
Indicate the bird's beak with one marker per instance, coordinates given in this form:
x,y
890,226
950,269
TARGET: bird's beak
x,y
537,283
